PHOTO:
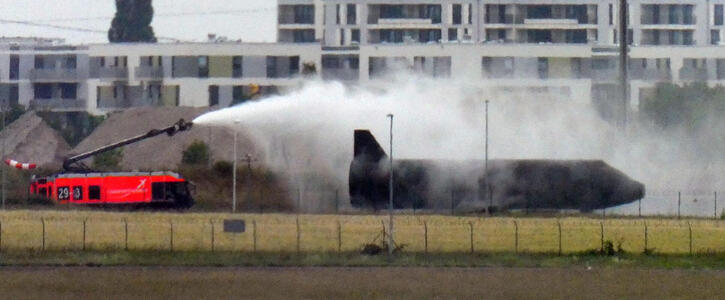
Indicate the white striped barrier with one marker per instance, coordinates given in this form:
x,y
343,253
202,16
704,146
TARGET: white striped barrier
x,y
19,165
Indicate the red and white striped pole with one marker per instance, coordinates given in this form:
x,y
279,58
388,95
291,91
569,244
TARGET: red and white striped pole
x,y
19,165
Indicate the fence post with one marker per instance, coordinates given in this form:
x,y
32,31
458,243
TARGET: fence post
x,y
125,223
171,235
211,222
425,236
689,227
558,224
84,234
254,236
470,225
516,236
297,221
679,201
299,196
601,235
339,236
645,237
42,220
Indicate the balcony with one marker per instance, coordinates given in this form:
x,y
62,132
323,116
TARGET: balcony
x,y
693,74
147,72
498,19
57,104
54,75
605,75
650,74
341,74
113,73
550,22
412,21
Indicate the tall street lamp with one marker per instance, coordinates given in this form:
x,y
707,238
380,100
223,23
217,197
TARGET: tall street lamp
x,y
485,168
390,208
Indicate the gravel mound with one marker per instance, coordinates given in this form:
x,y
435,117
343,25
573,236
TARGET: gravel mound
x,y
161,152
30,139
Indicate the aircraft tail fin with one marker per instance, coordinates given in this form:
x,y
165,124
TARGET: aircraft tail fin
x,y
366,147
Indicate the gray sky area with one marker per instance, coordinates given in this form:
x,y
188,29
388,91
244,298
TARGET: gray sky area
x,y
187,20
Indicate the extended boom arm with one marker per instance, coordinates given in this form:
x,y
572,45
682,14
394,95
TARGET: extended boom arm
x,y
181,125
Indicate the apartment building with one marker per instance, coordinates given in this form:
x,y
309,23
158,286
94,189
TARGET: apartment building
x,y
567,49
107,77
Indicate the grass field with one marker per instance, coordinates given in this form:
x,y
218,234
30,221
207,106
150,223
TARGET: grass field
x,y
357,283
64,230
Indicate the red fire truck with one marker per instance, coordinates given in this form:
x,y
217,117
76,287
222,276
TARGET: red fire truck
x,y
80,185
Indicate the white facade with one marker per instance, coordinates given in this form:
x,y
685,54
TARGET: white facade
x,y
564,48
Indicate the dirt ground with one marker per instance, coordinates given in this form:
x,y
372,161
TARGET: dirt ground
x,y
356,283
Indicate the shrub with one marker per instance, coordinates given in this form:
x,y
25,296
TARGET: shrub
x,y
196,154
223,168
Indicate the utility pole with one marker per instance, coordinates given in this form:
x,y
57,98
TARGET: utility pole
x,y
485,167
623,58
390,208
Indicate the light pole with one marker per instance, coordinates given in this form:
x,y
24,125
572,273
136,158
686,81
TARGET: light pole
x,y
390,208
234,169
485,166
623,57
4,170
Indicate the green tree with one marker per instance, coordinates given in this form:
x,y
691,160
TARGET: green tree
x,y
689,106
196,154
108,161
132,22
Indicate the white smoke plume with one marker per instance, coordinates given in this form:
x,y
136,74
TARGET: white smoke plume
x,y
308,134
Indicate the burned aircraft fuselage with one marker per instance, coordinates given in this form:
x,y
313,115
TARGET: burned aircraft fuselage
x,y
504,184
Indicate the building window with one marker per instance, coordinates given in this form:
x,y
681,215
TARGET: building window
x,y
470,13
14,67
355,35
213,95
718,15
237,94
337,14
294,65
351,14
43,91
272,67
452,34
68,90
543,67
456,14
611,14
69,62
342,36
304,14
94,192
203,62
304,36
39,62
237,70
715,37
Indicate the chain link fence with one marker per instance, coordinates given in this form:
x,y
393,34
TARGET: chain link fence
x,y
336,233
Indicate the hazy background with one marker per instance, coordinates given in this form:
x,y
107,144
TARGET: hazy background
x,y
187,20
